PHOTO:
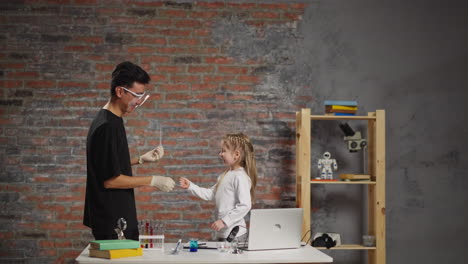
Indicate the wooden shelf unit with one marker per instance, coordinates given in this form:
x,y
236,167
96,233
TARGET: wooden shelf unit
x,y
348,247
376,168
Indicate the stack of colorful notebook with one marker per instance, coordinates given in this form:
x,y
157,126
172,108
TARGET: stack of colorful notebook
x,y
341,108
112,249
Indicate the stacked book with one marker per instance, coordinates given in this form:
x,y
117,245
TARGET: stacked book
x,y
112,249
355,177
340,108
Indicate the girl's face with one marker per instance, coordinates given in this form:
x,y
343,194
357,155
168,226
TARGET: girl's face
x,y
230,158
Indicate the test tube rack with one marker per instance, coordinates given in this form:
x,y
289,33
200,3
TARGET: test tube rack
x,y
152,234
152,242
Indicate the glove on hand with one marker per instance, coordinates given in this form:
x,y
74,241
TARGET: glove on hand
x,y
152,155
164,184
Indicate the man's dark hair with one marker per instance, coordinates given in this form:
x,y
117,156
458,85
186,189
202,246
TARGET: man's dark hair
x,y
126,73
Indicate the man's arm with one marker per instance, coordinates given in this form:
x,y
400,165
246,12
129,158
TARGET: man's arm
x,y
127,182
134,161
151,156
163,183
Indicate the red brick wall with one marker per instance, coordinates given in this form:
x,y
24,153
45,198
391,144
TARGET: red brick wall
x,y
55,65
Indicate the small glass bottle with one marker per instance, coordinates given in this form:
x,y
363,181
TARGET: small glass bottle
x,y
193,245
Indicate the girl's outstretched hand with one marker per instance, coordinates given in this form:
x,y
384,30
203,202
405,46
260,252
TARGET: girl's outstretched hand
x,y
218,225
184,182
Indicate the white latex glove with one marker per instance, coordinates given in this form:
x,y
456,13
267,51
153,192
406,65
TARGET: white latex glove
x,y
152,155
164,184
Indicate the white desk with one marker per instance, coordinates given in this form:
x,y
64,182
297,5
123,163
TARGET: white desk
x,y
306,254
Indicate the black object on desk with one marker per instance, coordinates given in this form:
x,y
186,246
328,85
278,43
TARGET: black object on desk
x,y
204,245
233,234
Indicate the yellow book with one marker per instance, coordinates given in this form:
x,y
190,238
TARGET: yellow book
x,y
341,107
115,253
355,177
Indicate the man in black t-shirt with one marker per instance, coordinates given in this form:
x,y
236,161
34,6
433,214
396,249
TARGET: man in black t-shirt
x,y
109,184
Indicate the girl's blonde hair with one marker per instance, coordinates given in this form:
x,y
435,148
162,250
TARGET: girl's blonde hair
x,y
241,142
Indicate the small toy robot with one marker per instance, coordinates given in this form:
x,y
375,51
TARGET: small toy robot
x,y
325,165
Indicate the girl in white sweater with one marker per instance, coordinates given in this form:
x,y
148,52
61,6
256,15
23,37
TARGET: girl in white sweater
x,y
234,191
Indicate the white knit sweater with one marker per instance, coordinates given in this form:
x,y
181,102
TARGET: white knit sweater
x,y
232,199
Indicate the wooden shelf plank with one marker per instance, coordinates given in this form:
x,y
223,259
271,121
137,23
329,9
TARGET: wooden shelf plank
x,y
342,182
303,142
348,247
325,117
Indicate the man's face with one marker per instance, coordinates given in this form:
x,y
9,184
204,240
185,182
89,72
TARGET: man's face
x,y
133,96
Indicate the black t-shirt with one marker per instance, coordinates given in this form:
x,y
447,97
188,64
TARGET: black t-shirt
x,y
107,156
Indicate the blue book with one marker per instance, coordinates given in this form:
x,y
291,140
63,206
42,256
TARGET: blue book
x,y
347,103
344,114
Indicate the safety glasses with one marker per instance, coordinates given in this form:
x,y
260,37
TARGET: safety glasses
x,y
141,96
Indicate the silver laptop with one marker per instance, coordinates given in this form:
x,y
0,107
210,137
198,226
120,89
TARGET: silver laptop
x,y
275,228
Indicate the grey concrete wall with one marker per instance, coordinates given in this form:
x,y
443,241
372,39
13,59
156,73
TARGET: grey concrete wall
x,y
409,58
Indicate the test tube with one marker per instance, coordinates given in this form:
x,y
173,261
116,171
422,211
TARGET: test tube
x,y
146,232
140,230
151,233
158,232
160,135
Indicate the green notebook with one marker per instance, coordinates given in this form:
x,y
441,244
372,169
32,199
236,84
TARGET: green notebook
x,y
114,244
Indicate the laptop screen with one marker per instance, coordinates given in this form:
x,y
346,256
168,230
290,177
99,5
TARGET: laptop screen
x,y
275,228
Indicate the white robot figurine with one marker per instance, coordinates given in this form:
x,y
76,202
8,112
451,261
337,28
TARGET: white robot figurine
x,y
325,165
